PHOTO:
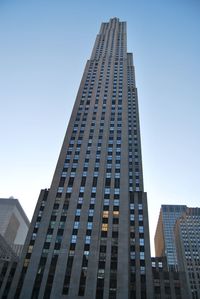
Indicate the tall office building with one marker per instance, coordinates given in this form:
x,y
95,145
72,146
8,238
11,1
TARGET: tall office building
x,y
187,236
164,237
89,236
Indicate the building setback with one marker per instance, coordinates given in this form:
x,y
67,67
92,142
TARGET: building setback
x,y
89,237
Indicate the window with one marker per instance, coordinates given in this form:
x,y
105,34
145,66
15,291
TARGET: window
x,y
87,239
74,238
78,212
141,229
141,242
90,212
82,189
106,202
142,255
107,190
116,202
89,225
76,224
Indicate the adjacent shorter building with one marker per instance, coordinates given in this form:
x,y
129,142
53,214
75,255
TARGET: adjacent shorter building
x,y
168,283
14,226
177,240
187,236
164,236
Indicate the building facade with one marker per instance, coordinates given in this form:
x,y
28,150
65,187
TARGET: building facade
x,y
89,236
7,271
187,236
164,237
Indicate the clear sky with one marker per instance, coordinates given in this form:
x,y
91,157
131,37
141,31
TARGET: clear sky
x,y
44,45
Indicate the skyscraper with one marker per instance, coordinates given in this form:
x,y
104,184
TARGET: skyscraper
x,y
164,236
89,235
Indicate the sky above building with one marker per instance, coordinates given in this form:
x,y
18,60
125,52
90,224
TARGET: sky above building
x,y
44,48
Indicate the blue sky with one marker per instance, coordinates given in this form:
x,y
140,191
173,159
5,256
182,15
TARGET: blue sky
x,y
44,48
